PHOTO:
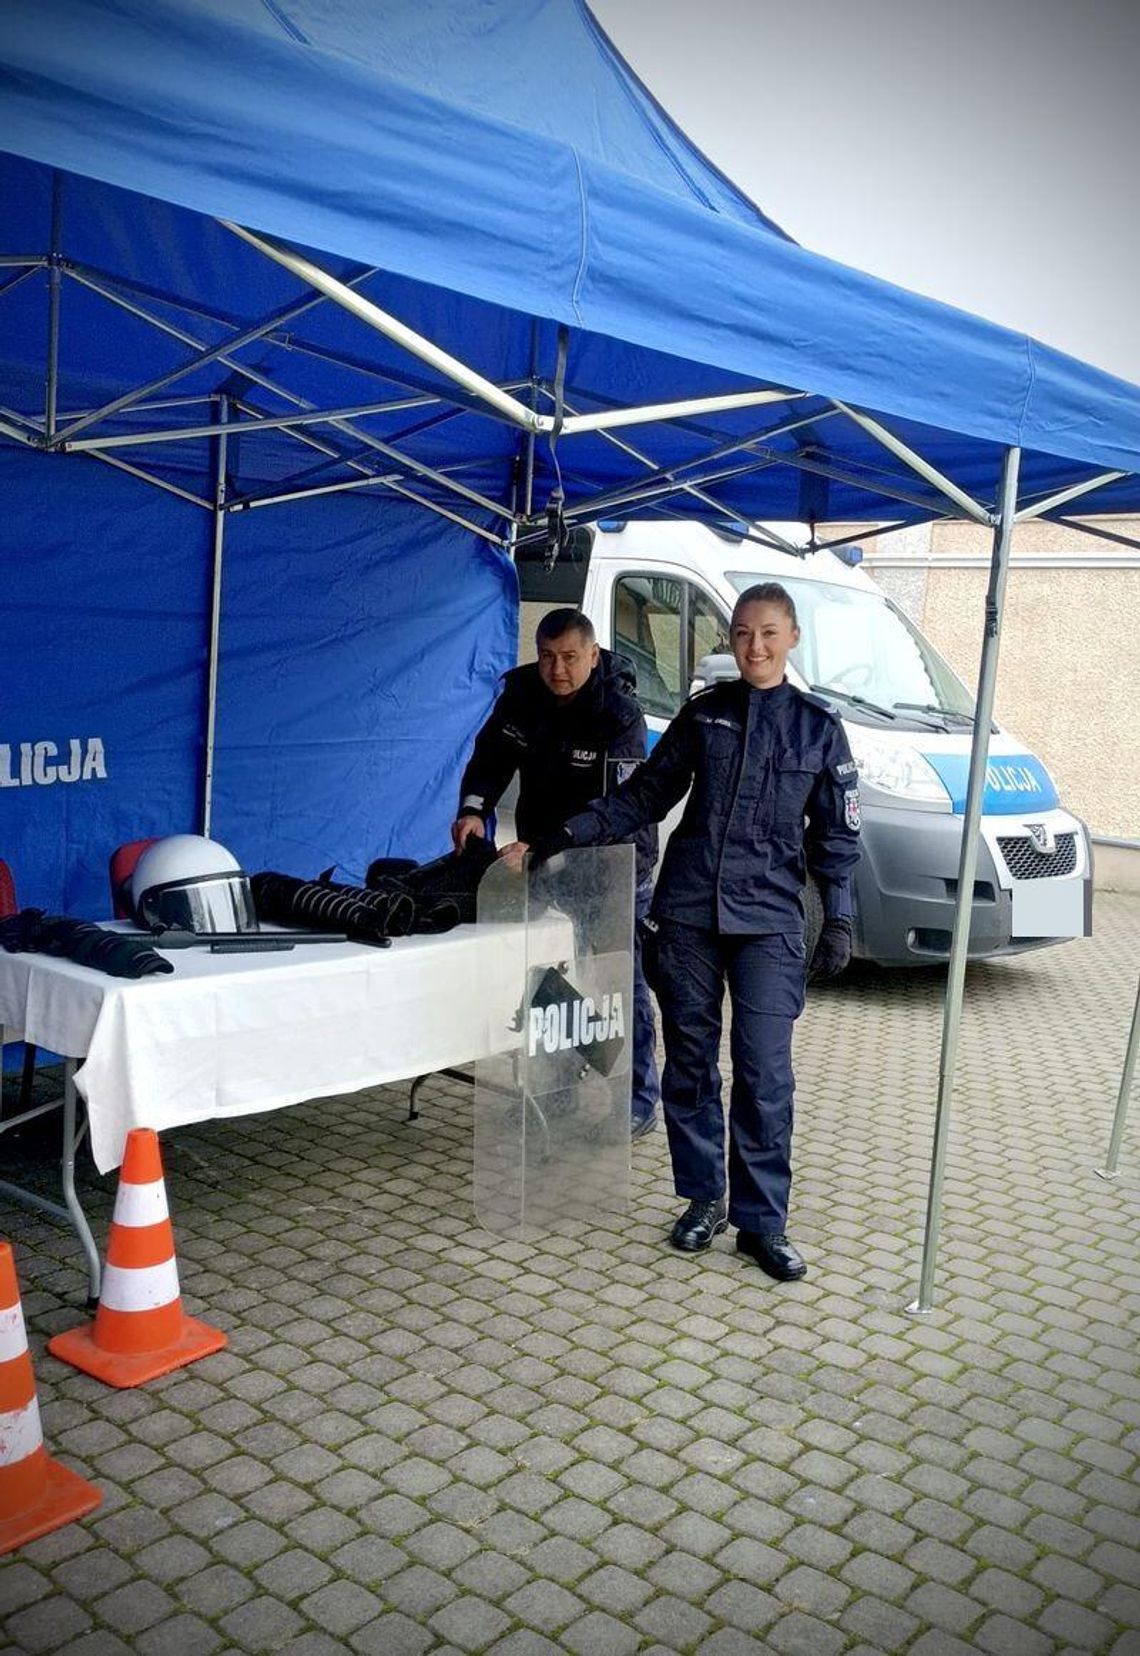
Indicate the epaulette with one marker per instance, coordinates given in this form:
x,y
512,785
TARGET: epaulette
x,y
820,702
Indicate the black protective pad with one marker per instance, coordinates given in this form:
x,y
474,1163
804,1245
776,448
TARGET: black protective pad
x,y
117,954
364,916
447,884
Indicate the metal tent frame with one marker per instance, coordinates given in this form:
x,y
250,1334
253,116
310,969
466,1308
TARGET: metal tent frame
x,y
536,408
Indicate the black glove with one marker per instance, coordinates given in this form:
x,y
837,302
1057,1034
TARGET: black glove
x,y
832,951
550,845
21,933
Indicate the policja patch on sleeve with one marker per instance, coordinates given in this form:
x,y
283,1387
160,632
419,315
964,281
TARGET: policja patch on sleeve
x,y
619,771
851,809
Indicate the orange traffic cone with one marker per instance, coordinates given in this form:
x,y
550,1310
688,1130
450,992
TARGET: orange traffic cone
x,y
37,1494
140,1330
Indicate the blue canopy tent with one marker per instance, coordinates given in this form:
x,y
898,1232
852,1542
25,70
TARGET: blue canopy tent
x,y
306,312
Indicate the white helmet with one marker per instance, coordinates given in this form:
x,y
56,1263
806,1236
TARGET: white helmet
x,y
193,884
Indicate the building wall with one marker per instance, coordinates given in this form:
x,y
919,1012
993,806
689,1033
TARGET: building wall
x,y
1069,669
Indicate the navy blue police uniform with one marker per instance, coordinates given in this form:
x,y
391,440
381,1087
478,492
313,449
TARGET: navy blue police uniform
x,y
568,751
773,796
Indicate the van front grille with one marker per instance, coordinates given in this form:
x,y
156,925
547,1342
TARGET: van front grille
x,y
1025,862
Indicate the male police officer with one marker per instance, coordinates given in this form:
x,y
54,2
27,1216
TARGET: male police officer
x,y
571,727
772,792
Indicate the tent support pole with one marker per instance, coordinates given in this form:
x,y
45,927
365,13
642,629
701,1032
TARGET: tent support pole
x,y
675,476
637,494
606,418
872,533
202,359
280,422
17,434
1112,1159
930,474
155,482
1051,502
365,310
113,287
278,391
1087,528
51,395
391,481
758,532
251,374
215,618
967,867
886,485
319,468
479,386
529,435
14,281
528,474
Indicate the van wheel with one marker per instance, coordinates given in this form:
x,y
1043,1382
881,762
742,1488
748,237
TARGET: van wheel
x,y
813,916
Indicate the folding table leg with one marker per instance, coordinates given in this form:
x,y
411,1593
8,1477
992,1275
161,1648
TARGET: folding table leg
x,y
74,1207
455,1075
27,1076
73,1211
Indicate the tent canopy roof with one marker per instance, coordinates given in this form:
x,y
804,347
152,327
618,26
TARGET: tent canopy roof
x,y
486,173
546,69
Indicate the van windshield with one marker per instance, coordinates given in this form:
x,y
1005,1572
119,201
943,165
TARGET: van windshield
x,y
859,645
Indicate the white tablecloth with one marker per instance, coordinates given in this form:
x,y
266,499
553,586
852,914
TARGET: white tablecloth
x,y
226,1035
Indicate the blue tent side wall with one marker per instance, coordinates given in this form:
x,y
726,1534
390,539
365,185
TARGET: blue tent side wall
x,y
368,638
106,589
362,643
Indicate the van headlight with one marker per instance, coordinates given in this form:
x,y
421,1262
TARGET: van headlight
x,y
895,768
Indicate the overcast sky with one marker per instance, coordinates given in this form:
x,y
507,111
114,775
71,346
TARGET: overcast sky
x,y
986,152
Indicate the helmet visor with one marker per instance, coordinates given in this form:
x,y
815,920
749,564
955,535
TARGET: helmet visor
x,y
206,904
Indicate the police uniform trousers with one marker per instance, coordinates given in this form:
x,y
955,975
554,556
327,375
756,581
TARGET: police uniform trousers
x,y
645,1083
765,975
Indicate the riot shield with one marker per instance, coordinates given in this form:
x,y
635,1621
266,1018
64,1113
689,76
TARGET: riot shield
x,y
552,1099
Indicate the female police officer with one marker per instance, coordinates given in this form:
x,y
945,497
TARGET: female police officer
x,y
758,757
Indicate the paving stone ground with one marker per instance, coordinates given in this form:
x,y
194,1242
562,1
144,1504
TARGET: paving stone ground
x,y
422,1439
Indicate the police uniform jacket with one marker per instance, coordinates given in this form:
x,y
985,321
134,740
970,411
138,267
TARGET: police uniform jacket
x,y
772,793
566,752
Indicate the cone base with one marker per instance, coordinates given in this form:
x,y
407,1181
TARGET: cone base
x,y
65,1498
123,1369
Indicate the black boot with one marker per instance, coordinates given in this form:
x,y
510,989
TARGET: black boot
x,y
773,1253
697,1226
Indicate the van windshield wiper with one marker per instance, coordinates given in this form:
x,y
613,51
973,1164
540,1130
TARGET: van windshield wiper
x,y
942,712
849,696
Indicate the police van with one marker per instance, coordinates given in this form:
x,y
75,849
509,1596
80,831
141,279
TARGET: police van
x,y
662,594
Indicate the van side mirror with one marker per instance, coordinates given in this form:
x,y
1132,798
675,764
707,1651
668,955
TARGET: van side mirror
x,y
713,669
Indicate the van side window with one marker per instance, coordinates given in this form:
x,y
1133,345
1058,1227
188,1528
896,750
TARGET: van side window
x,y
708,629
648,620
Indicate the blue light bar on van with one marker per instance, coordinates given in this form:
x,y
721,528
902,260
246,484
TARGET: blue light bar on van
x,y
852,556
611,525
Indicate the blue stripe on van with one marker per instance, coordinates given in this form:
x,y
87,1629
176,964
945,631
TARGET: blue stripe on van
x,y
1015,782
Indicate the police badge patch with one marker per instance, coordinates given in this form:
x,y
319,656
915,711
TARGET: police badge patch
x,y
619,771
851,809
